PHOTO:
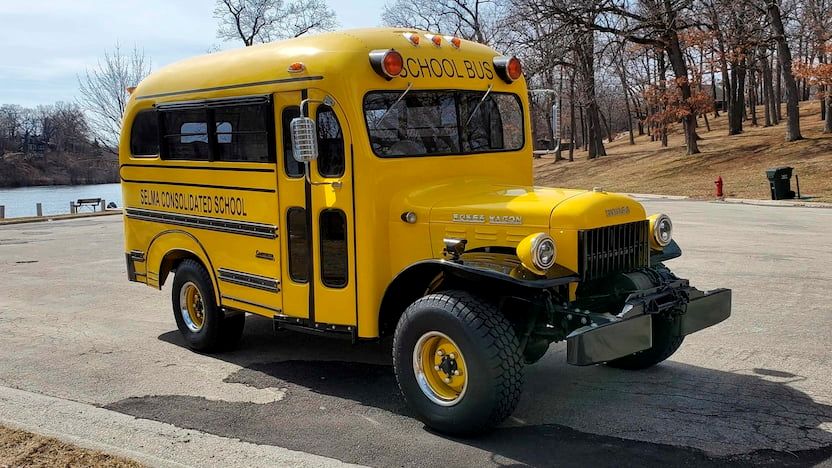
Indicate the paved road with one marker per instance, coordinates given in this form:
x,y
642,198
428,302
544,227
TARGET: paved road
x,y
753,390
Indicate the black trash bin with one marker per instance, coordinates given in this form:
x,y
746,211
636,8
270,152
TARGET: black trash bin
x,y
779,180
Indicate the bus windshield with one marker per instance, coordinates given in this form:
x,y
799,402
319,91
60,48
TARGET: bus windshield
x,y
433,123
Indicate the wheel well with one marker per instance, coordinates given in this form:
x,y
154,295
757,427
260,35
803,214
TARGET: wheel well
x,y
422,279
405,288
172,260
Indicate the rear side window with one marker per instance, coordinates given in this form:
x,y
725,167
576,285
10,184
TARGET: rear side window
x,y
144,134
186,135
242,133
218,131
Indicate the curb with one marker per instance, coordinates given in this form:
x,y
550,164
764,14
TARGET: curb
x,y
60,217
780,203
150,442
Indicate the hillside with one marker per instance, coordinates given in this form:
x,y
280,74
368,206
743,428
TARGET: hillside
x,y
57,168
741,160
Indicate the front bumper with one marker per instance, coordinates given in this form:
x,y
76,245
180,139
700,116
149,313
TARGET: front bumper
x,y
611,337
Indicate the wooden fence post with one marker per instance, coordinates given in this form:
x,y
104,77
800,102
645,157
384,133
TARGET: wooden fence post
x,y
103,205
40,209
71,208
2,211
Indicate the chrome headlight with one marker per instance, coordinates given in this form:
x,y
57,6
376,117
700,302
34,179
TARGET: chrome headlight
x,y
661,230
537,252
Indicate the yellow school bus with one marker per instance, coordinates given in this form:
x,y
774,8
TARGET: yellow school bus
x,y
378,183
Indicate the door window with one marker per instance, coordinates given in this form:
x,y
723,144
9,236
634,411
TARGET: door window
x,y
293,168
298,245
330,143
334,261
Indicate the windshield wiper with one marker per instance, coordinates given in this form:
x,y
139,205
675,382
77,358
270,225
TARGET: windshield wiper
x,y
407,90
473,112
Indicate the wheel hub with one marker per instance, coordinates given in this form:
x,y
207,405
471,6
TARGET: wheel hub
x,y
440,368
192,307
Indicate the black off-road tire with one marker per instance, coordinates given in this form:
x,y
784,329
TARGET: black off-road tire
x,y
218,332
491,352
665,343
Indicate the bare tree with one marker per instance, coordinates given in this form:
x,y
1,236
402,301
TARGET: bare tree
x,y
785,55
104,90
257,21
476,20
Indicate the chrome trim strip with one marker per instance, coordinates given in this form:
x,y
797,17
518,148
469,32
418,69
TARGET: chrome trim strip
x,y
251,303
234,86
203,222
247,279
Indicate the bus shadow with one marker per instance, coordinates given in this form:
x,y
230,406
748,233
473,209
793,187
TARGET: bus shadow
x,y
567,415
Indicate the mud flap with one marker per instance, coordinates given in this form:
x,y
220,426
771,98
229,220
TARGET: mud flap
x,y
587,346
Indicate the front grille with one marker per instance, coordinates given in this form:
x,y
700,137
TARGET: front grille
x,y
611,249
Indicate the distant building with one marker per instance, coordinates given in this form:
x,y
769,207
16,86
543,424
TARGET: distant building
x,y
719,101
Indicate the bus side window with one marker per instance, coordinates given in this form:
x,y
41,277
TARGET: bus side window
x,y
330,143
243,133
144,134
293,168
186,135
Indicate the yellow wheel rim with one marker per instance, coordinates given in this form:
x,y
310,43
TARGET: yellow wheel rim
x,y
192,307
440,368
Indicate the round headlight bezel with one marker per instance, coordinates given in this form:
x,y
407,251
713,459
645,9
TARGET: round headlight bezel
x,y
656,228
531,249
538,244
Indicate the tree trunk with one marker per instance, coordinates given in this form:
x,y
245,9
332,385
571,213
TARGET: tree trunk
x,y
778,92
713,88
737,99
822,92
680,71
768,89
827,127
752,91
622,74
707,124
572,122
661,76
558,144
586,65
792,109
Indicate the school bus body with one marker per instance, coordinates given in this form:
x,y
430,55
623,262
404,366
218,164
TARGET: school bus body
x,y
374,239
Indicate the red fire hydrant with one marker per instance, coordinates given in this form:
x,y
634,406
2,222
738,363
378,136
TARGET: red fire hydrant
x,y
718,183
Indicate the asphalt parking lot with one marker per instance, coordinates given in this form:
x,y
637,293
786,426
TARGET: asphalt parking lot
x,y
756,389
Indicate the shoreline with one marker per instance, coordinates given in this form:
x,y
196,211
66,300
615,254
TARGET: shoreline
x,y
59,217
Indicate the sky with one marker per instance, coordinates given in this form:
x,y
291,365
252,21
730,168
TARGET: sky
x,y
46,44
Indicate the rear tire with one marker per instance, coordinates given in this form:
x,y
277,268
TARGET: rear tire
x,y
490,363
203,324
665,343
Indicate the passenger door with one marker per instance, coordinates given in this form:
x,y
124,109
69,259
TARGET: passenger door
x,y
321,211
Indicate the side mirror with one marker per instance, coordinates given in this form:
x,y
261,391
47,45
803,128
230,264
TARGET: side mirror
x,y
304,139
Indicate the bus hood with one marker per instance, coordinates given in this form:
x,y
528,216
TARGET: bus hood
x,y
531,207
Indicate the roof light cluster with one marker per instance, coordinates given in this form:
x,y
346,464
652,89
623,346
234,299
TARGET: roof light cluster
x,y
389,63
434,39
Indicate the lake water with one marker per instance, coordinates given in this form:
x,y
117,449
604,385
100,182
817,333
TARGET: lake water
x,y
55,198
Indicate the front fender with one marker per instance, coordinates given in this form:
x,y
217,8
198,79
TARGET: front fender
x,y
668,253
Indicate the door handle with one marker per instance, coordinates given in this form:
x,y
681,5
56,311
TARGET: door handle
x,y
336,184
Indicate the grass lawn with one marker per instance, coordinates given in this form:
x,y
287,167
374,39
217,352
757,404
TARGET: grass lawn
x,y
24,449
741,160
